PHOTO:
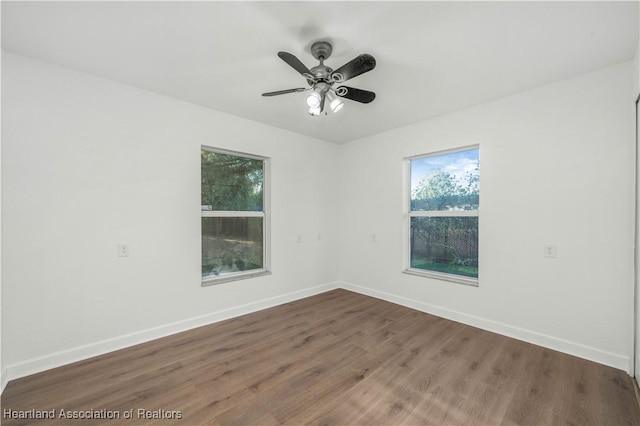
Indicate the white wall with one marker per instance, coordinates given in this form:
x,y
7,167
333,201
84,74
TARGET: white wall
x,y
555,168
88,163
634,96
3,376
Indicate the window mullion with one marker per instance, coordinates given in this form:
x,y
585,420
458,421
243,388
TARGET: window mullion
x,y
443,213
219,213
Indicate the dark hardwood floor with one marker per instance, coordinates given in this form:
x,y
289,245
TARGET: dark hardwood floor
x,y
335,358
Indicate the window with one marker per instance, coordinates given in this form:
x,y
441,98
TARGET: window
x,y
443,199
234,216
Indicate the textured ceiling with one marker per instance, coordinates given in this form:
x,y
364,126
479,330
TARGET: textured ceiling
x,y
432,57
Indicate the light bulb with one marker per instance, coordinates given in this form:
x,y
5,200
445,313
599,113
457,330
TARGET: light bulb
x,y
314,99
315,111
335,103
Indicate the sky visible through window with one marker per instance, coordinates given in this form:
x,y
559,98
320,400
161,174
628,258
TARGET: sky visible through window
x,y
457,164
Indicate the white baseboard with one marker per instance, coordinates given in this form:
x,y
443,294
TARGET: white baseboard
x,y
561,345
37,365
80,353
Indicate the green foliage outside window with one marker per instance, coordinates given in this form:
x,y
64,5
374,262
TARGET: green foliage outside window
x,y
231,183
443,191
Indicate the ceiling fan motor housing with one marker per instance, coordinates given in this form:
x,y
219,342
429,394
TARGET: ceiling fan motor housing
x,y
321,72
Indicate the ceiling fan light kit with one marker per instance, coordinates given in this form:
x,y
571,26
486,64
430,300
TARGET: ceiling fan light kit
x,y
322,78
314,99
334,103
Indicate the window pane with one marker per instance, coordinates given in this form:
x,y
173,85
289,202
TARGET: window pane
x,y
445,244
231,183
446,182
231,244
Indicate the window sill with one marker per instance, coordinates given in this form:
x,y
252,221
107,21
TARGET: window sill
x,y
444,277
234,277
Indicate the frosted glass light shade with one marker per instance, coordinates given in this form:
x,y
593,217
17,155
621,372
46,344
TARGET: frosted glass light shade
x,y
336,105
314,100
314,110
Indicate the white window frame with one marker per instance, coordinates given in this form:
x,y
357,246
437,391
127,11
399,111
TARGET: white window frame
x,y
408,214
264,214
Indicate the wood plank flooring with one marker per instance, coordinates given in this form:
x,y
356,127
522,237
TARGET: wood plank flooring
x,y
335,358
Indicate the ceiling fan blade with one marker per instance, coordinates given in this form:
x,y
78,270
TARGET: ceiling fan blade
x,y
358,95
284,92
297,65
353,68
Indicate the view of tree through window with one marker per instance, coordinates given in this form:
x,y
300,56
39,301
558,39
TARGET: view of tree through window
x,y
231,183
232,214
445,195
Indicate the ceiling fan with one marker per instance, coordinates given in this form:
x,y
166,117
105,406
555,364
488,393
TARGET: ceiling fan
x,y
322,78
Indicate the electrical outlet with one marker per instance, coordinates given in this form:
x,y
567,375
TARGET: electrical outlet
x,y
123,249
550,250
